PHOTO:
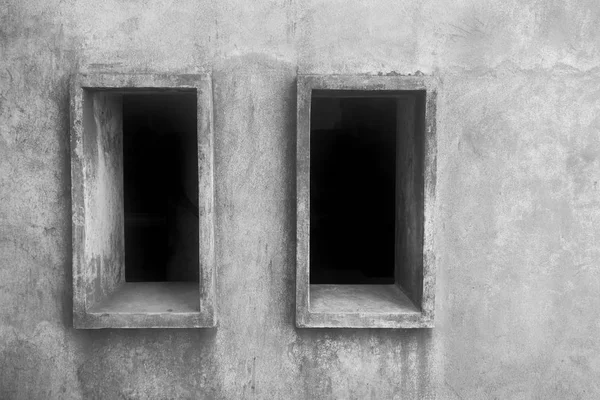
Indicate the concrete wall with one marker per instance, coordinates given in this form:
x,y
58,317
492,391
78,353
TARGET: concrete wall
x,y
517,217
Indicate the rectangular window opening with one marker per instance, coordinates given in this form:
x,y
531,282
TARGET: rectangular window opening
x,y
365,185
366,192
143,201
160,183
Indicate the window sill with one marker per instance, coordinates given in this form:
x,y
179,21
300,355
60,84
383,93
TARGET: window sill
x,y
149,305
361,306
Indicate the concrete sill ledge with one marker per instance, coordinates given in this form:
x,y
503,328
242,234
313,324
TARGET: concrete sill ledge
x,y
149,305
361,306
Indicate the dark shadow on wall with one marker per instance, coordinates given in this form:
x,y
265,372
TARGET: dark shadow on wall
x,y
291,215
61,97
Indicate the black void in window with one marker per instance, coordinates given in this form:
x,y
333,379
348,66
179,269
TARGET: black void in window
x,y
366,155
160,175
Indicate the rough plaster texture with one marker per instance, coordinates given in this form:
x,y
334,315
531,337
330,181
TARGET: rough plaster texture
x,y
517,217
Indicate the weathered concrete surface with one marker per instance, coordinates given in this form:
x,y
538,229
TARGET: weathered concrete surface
x,y
98,245
414,244
517,199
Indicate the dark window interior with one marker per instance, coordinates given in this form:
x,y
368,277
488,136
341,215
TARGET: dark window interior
x,y
160,186
353,178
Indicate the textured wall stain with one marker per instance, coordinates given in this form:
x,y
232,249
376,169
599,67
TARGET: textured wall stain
x,y
517,217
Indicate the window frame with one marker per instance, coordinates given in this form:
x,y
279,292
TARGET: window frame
x,y
423,314
86,279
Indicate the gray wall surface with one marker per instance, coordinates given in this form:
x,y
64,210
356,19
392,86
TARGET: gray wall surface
x,y
517,235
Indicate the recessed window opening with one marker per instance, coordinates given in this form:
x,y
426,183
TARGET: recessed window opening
x,y
160,179
359,170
